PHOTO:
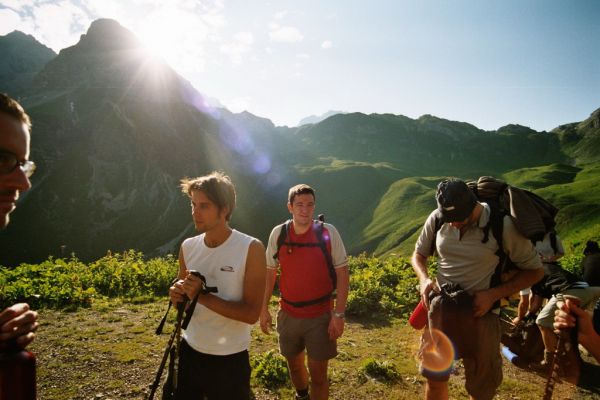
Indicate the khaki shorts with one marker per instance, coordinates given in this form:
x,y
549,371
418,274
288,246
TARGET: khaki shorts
x,y
586,295
297,334
483,372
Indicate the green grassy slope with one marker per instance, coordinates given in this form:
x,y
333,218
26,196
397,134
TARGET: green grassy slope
x,y
348,193
398,217
579,204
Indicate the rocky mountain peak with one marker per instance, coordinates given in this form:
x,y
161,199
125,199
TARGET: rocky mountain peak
x,y
108,34
593,122
108,55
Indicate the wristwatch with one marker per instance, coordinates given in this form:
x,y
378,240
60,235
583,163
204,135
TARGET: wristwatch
x,y
338,314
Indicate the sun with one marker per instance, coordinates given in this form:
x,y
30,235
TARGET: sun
x,y
171,35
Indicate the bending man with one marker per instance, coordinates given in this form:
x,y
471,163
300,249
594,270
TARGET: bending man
x,y
467,260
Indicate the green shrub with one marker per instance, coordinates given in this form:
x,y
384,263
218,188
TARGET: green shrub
x,y
62,283
572,262
384,371
269,369
381,287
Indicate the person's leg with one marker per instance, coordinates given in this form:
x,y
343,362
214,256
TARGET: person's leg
x,y
229,377
549,338
436,390
320,349
319,384
189,374
544,322
298,372
291,345
483,372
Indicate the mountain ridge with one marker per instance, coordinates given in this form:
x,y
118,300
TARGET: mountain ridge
x,y
112,142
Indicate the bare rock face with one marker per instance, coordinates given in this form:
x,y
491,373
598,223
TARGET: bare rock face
x,y
22,57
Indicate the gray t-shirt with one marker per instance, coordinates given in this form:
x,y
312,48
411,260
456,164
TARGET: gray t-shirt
x,y
466,260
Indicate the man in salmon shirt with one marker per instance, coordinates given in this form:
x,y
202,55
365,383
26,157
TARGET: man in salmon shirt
x,y
314,265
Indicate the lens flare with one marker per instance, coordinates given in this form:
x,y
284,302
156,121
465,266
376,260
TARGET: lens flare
x,y
437,352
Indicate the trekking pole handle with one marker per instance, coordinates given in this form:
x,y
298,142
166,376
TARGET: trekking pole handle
x,y
204,289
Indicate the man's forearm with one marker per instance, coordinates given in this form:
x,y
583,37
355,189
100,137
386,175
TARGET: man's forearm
x,y
521,280
523,306
237,310
592,343
271,277
342,288
419,264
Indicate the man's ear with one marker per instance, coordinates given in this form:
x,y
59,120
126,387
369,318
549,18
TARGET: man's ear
x,y
224,211
290,208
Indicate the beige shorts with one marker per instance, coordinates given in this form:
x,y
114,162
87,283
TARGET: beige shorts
x,y
297,334
483,372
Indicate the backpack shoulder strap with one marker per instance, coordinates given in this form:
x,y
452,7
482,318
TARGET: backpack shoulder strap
x,y
283,234
319,226
436,227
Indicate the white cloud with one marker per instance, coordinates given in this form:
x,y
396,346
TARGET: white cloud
x,y
241,44
280,14
303,56
68,21
17,4
286,34
244,37
327,44
9,21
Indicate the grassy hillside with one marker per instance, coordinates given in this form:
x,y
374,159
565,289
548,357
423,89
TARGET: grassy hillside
x,y
574,190
541,177
348,193
393,225
579,204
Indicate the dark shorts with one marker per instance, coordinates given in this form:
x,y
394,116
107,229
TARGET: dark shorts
x,y
297,334
483,367
216,377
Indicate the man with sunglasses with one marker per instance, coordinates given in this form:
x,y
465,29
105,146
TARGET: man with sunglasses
x,y
17,323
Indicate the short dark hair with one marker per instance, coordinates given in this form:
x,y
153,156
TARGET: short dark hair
x,y
300,189
216,186
13,108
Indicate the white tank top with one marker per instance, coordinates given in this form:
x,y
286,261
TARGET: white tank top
x,y
224,267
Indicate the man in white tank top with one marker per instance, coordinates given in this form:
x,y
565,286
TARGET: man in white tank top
x,y
213,357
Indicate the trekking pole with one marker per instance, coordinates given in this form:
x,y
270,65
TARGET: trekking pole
x,y
554,368
563,341
163,362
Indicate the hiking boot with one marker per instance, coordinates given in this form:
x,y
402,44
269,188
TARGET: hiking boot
x,y
305,397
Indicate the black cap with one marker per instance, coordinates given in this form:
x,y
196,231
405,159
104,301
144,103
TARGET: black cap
x,y
455,200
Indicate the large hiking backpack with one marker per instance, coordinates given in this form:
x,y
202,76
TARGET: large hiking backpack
x,y
524,340
321,243
532,215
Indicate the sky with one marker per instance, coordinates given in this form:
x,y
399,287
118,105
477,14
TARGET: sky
x,y
488,63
